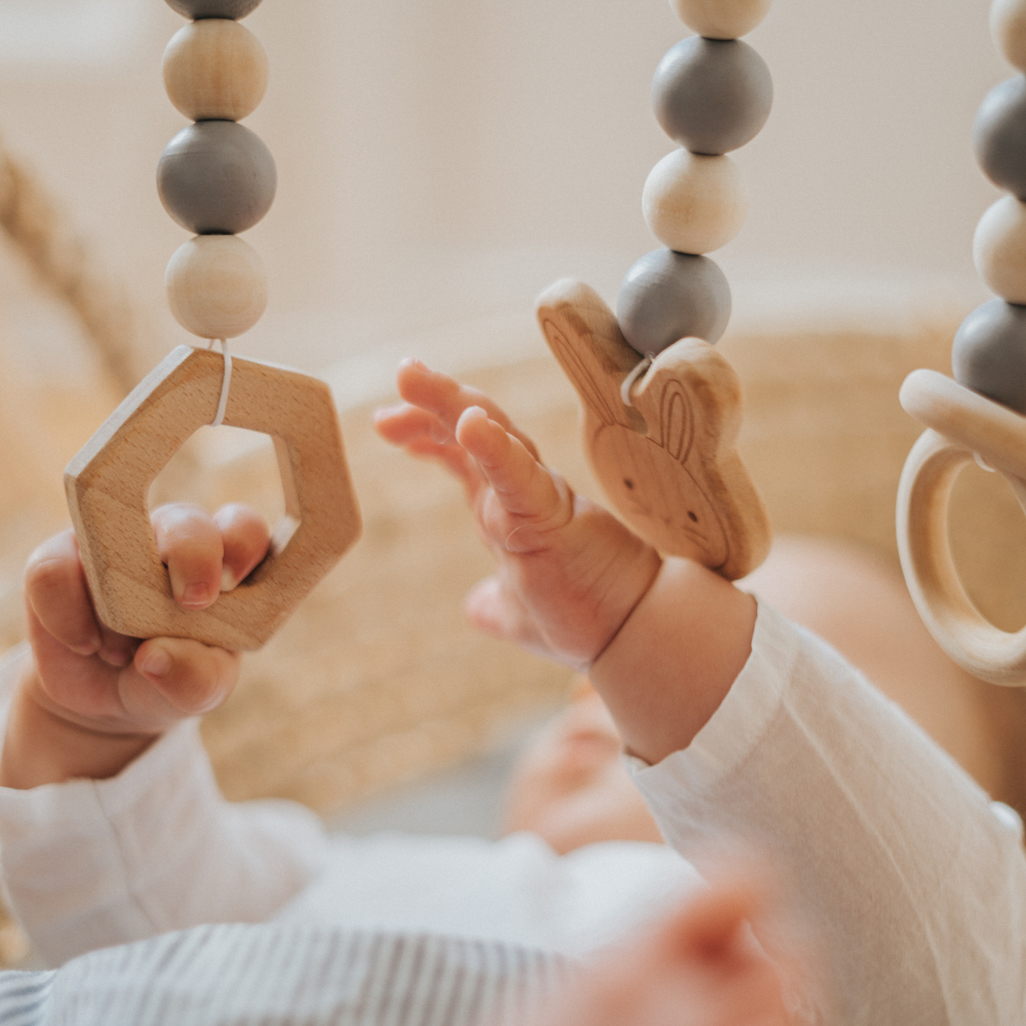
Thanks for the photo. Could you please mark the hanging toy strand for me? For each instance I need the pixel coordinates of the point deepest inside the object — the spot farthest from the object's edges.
(661, 433)
(711, 94)
(216, 178)
(981, 414)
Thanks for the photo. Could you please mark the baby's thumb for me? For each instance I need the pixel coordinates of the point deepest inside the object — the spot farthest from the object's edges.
(193, 678)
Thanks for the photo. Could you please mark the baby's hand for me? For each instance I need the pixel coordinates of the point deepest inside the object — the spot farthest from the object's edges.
(569, 573)
(699, 965)
(91, 699)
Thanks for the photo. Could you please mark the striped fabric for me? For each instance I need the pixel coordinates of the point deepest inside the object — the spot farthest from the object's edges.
(297, 975)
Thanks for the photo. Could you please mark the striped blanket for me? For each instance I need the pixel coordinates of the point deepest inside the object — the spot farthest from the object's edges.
(290, 974)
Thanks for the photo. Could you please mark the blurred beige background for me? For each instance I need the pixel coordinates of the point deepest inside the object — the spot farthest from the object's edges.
(444, 160)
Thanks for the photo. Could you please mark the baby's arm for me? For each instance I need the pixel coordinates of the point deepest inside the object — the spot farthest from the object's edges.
(110, 832)
(662, 640)
(916, 887)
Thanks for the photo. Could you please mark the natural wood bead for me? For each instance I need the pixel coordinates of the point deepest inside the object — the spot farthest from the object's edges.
(216, 286)
(1008, 28)
(999, 249)
(721, 19)
(694, 204)
(215, 69)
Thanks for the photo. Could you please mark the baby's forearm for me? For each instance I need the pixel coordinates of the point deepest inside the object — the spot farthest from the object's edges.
(44, 747)
(675, 658)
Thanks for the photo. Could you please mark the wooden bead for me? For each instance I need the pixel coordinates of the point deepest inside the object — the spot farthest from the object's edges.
(1008, 29)
(694, 204)
(197, 9)
(989, 353)
(216, 177)
(999, 249)
(668, 296)
(215, 68)
(712, 95)
(999, 136)
(721, 19)
(216, 286)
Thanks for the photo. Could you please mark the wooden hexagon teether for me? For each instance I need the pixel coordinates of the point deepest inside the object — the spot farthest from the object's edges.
(669, 462)
(108, 482)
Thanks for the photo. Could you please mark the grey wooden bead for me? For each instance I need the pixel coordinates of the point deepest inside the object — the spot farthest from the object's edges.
(999, 136)
(668, 296)
(989, 353)
(216, 178)
(197, 9)
(712, 95)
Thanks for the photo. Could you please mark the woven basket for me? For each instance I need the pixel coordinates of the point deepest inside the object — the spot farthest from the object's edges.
(377, 678)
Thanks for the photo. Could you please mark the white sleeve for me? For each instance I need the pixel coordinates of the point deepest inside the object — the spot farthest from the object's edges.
(93, 863)
(913, 882)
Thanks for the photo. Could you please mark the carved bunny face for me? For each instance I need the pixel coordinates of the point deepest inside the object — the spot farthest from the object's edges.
(647, 480)
(668, 462)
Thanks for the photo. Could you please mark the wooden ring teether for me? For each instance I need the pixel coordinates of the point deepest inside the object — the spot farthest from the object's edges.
(963, 426)
(981, 413)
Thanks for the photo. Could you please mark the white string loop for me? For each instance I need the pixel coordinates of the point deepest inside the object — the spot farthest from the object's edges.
(226, 381)
(636, 372)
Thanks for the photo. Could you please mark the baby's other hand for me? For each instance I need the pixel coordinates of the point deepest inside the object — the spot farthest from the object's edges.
(92, 699)
(569, 574)
(700, 965)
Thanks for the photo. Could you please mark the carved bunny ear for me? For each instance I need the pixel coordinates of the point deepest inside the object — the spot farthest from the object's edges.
(674, 426)
(586, 340)
(669, 462)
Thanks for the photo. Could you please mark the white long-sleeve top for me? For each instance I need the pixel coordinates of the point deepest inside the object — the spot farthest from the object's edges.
(88, 864)
(915, 884)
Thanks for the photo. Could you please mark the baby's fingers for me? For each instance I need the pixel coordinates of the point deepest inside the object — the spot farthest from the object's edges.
(445, 397)
(422, 434)
(190, 543)
(245, 538)
(189, 678)
(56, 591)
(528, 494)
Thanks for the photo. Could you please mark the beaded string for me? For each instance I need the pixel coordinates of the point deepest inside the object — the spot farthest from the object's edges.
(216, 178)
(712, 94)
(226, 381)
(636, 372)
(988, 354)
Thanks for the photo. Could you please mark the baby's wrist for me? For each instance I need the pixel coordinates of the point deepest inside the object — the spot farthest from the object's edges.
(675, 658)
(42, 745)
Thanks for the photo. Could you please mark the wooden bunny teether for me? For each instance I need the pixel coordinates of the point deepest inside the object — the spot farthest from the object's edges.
(668, 462)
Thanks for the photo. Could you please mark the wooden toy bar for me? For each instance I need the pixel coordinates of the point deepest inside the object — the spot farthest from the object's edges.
(981, 414)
